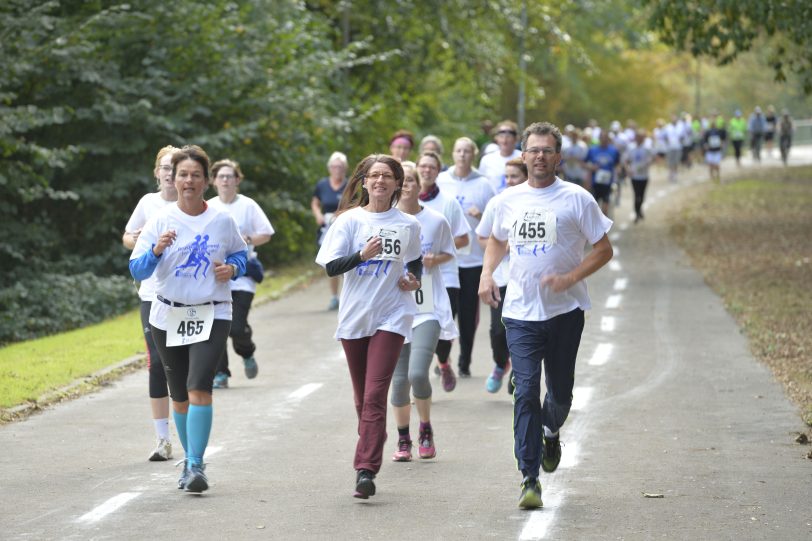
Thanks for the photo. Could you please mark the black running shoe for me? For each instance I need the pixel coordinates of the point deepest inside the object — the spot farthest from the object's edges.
(531, 494)
(196, 480)
(552, 454)
(364, 484)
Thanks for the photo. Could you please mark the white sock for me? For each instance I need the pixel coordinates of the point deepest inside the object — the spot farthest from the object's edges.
(549, 433)
(161, 428)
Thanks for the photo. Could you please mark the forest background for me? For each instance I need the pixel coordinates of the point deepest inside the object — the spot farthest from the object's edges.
(90, 90)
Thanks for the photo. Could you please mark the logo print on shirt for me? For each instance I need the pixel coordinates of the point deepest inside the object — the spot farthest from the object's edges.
(198, 252)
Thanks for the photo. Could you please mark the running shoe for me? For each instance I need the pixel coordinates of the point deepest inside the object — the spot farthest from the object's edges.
(465, 372)
(220, 380)
(251, 367)
(183, 474)
(404, 452)
(448, 378)
(494, 381)
(162, 452)
(333, 304)
(364, 484)
(531, 494)
(426, 444)
(196, 480)
(551, 454)
(437, 369)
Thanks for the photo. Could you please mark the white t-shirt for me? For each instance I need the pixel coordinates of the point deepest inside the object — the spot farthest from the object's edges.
(638, 159)
(451, 209)
(251, 221)
(472, 191)
(547, 229)
(435, 237)
(500, 274)
(371, 299)
(146, 207)
(185, 272)
(493, 167)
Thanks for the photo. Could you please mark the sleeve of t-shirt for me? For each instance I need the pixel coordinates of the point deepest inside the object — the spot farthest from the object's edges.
(138, 218)
(445, 243)
(337, 241)
(260, 224)
(459, 225)
(317, 191)
(413, 251)
(147, 239)
(590, 156)
(498, 230)
(483, 229)
(593, 223)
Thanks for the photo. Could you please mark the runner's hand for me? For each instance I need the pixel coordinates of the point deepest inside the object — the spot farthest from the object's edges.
(223, 272)
(409, 282)
(373, 247)
(489, 292)
(557, 282)
(166, 240)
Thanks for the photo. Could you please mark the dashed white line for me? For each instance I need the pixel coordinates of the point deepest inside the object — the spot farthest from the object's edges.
(607, 323)
(540, 520)
(601, 354)
(304, 390)
(621, 283)
(613, 301)
(624, 227)
(614, 237)
(615, 266)
(108, 507)
(581, 397)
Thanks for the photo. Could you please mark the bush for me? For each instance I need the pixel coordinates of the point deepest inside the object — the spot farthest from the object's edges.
(52, 303)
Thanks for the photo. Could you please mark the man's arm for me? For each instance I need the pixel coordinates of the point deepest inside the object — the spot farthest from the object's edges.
(494, 253)
(600, 255)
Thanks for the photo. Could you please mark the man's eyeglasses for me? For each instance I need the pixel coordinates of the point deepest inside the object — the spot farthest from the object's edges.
(384, 176)
(547, 151)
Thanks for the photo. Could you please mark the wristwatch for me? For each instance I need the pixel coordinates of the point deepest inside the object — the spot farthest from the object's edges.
(234, 268)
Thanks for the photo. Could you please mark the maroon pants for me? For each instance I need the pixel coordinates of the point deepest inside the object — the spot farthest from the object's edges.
(372, 362)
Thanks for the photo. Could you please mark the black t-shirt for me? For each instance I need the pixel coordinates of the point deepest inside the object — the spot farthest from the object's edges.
(714, 139)
(328, 197)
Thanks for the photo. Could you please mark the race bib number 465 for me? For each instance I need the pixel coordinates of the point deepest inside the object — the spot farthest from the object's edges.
(189, 324)
(533, 226)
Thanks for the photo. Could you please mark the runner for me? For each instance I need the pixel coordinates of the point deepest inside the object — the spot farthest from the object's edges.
(150, 204)
(473, 192)
(515, 173)
(785, 130)
(603, 160)
(401, 144)
(373, 244)
(433, 320)
(638, 159)
(492, 165)
(770, 125)
(256, 230)
(323, 205)
(673, 138)
(573, 157)
(193, 250)
(737, 129)
(714, 143)
(431, 197)
(756, 125)
(547, 223)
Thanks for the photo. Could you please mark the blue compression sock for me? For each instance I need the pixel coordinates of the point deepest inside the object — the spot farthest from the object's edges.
(198, 425)
(180, 426)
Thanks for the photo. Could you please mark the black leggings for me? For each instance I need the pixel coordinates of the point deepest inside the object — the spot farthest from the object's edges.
(157, 376)
(443, 348)
(192, 367)
(468, 316)
(498, 334)
(241, 332)
(639, 186)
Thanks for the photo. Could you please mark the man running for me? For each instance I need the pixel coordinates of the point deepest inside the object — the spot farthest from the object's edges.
(547, 223)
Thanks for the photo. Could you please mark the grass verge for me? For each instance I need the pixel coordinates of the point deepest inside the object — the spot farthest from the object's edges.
(751, 240)
(32, 372)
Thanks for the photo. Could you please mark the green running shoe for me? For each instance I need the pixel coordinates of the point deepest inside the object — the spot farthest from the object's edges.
(531, 494)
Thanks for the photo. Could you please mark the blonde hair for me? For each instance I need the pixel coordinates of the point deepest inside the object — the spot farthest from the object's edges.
(168, 149)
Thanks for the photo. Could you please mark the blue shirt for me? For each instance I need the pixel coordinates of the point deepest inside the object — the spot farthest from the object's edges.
(606, 158)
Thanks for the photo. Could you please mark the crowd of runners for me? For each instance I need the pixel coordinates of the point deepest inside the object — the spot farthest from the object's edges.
(413, 250)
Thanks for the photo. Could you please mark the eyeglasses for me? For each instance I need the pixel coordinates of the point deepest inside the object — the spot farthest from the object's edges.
(165, 168)
(547, 151)
(225, 177)
(384, 176)
(506, 132)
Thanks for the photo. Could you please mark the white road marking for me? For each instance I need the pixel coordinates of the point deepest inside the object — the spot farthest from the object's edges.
(607, 323)
(601, 354)
(569, 455)
(621, 283)
(304, 390)
(213, 449)
(541, 519)
(613, 301)
(614, 237)
(661, 193)
(624, 227)
(581, 397)
(108, 507)
(615, 266)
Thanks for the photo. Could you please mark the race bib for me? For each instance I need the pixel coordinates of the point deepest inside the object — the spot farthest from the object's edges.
(602, 176)
(533, 226)
(189, 324)
(714, 141)
(394, 240)
(424, 297)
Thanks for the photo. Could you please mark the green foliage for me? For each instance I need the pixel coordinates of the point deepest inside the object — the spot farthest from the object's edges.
(724, 29)
(52, 303)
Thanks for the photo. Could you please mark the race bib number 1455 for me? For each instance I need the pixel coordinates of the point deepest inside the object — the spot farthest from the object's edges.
(533, 226)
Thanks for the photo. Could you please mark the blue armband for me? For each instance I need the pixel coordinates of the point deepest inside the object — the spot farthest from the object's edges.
(142, 267)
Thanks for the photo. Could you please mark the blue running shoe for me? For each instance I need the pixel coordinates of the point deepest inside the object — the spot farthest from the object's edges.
(220, 380)
(183, 474)
(494, 381)
(251, 367)
(196, 480)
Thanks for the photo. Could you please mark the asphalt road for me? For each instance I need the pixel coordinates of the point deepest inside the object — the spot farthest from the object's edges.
(668, 402)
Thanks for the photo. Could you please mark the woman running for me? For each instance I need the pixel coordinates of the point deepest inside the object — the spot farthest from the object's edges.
(256, 230)
(377, 248)
(193, 250)
(146, 207)
(432, 321)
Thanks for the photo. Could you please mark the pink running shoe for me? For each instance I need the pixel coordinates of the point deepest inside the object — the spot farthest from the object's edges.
(448, 377)
(404, 452)
(426, 444)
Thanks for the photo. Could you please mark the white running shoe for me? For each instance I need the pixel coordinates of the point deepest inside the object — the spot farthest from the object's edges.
(163, 451)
